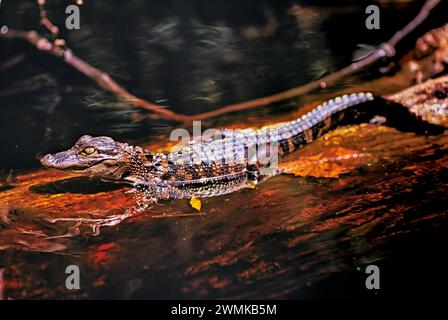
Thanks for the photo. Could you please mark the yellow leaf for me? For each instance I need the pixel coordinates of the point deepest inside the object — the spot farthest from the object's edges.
(195, 203)
(250, 186)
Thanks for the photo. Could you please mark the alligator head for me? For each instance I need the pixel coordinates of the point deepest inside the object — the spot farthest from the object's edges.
(102, 157)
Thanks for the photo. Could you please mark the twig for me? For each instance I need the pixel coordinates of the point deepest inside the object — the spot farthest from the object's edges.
(178, 215)
(54, 30)
(107, 83)
(100, 77)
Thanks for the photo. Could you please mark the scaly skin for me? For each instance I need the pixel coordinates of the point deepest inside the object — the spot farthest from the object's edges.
(230, 161)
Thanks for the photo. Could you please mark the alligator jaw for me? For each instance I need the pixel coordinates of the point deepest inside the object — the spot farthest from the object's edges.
(51, 162)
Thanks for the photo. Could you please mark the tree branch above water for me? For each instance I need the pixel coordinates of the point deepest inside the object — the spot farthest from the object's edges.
(103, 80)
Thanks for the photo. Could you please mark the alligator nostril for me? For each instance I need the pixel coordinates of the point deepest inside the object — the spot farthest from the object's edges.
(46, 160)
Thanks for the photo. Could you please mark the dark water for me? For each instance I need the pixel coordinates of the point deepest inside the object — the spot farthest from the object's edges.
(191, 56)
(195, 56)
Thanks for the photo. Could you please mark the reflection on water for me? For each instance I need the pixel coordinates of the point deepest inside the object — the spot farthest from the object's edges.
(290, 237)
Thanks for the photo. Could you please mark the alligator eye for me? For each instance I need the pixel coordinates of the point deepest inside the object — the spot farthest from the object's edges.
(89, 150)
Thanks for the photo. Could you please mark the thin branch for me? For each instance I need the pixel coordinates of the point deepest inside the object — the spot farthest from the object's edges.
(100, 77)
(178, 215)
(385, 49)
(108, 84)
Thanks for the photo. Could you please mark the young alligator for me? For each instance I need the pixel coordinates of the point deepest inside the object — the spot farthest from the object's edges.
(230, 161)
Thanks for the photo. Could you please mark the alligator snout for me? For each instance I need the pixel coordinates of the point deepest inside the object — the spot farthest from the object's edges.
(47, 161)
(54, 161)
(65, 160)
